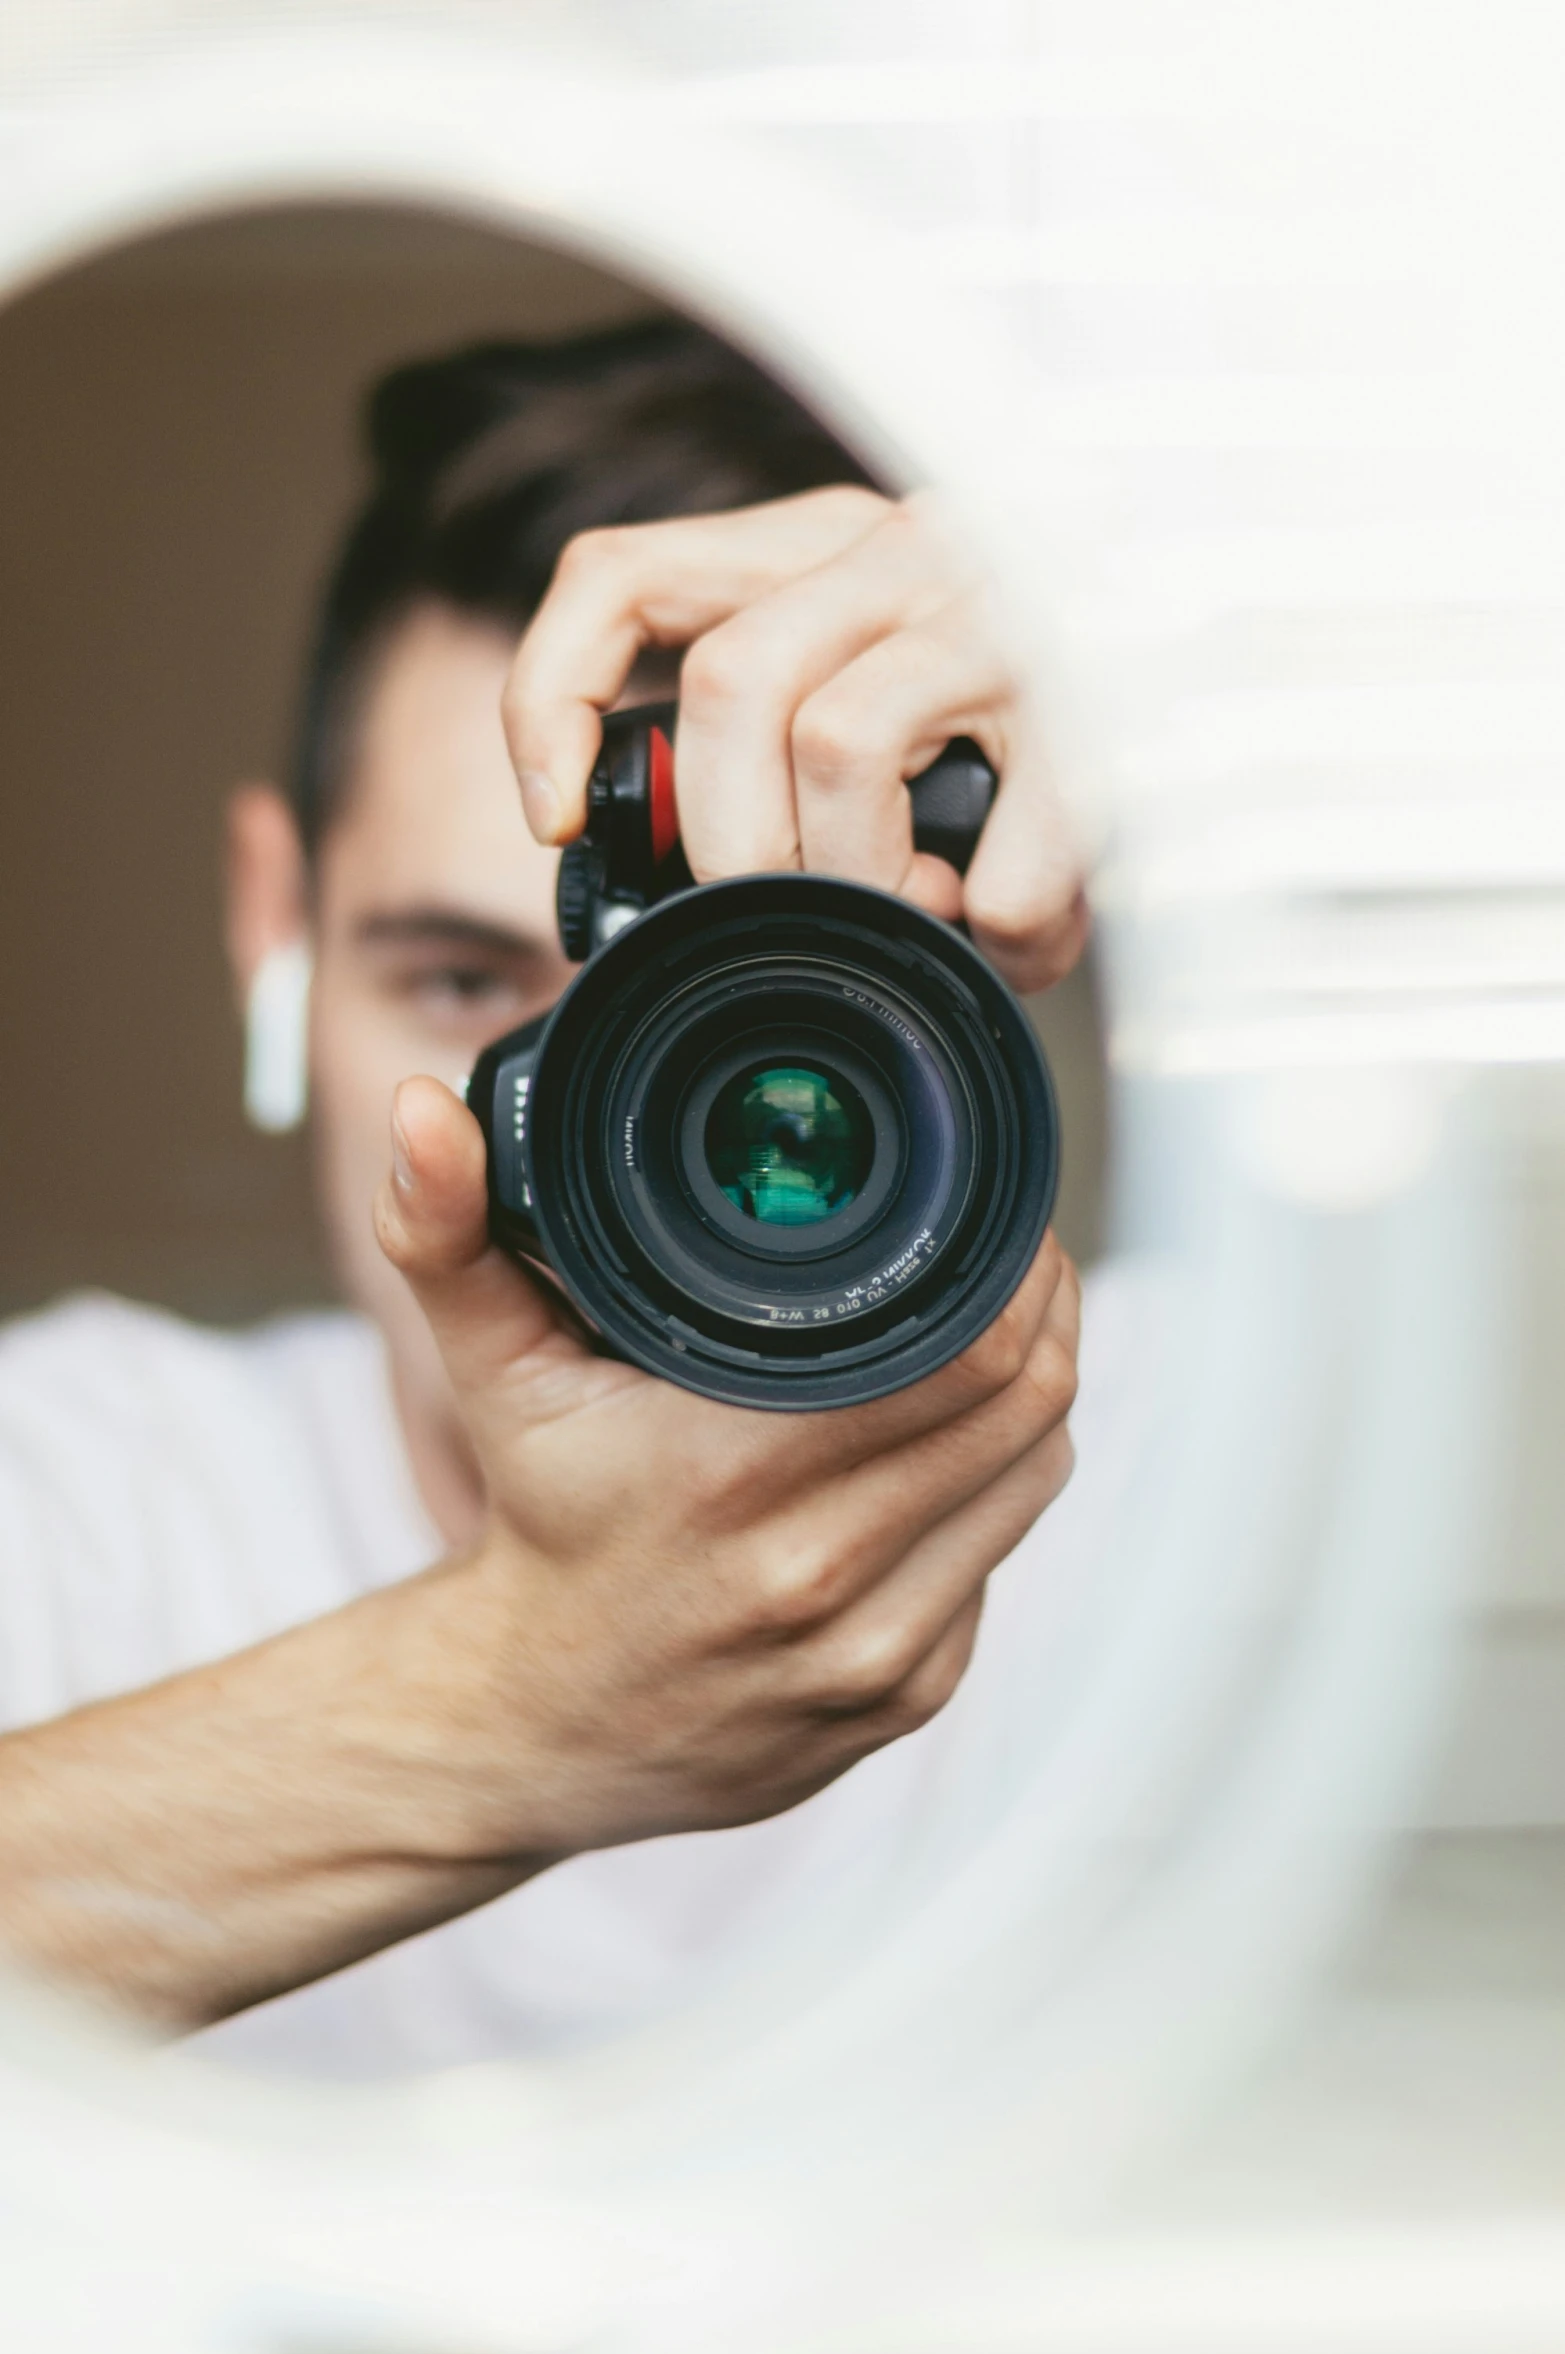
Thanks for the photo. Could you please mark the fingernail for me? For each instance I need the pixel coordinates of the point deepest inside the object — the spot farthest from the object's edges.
(541, 802)
(401, 1158)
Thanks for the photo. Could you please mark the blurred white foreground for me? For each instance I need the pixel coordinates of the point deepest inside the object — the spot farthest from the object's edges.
(1238, 2020)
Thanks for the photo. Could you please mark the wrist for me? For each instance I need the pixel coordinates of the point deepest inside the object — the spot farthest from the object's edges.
(465, 1756)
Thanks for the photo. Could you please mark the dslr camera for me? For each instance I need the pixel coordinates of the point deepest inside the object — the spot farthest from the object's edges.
(786, 1141)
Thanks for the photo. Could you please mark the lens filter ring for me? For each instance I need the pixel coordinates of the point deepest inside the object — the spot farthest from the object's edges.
(937, 1157)
(766, 1012)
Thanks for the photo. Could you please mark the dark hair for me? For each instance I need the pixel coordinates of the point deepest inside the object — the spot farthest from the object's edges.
(487, 461)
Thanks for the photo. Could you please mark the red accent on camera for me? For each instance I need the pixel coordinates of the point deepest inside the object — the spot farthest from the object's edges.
(664, 814)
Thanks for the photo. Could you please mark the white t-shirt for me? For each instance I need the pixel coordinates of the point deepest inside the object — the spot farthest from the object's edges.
(170, 1494)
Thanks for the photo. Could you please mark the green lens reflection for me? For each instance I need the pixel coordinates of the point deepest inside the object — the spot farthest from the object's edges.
(789, 1146)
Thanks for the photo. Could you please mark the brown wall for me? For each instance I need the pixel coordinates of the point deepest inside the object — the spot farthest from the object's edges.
(176, 454)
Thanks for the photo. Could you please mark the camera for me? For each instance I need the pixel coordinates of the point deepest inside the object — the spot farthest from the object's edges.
(786, 1141)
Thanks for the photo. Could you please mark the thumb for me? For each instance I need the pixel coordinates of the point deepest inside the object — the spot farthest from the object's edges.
(431, 1220)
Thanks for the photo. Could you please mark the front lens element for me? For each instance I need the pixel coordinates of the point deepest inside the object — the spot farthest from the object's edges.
(789, 1146)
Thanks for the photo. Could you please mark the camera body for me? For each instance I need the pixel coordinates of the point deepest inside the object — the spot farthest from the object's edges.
(786, 1141)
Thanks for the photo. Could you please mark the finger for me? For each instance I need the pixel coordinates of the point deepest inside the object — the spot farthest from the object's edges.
(866, 1659)
(934, 886)
(788, 1456)
(845, 1735)
(935, 1681)
(884, 1508)
(985, 1368)
(744, 682)
(738, 1465)
(431, 1219)
(619, 591)
(1051, 952)
(881, 720)
(920, 1486)
(1024, 898)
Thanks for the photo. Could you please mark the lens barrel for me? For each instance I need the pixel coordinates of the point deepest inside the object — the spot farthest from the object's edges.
(785, 1141)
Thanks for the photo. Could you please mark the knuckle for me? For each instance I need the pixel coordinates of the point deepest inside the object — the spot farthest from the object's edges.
(931, 1689)
(999, 1356)
(866, 1666)
(1061, 1451)
(833, 745)
(1012, 921)
(718, 1483)
(1051, 1373)
(795, 1586)
(906, 1712)
(1071, 1276)
(715, 673)
(853, 501)
(589, 555)
(1029, 931)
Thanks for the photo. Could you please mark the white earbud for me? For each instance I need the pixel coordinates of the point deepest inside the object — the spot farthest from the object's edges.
(277, 1070)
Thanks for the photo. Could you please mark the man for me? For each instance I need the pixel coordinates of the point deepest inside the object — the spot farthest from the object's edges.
(317, 1639)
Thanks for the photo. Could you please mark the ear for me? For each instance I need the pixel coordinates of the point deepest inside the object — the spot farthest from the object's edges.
(267, 900)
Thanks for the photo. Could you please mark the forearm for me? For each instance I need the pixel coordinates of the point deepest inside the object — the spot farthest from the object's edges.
(188, 1850)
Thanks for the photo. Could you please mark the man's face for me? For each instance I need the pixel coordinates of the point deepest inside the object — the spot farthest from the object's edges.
(434, 932)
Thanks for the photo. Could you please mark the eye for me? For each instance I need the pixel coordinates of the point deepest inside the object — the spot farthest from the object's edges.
(466, 984)
(470, 998)
(460, 989)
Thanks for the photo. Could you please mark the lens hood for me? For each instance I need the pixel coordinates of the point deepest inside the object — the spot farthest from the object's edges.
(786, 1141)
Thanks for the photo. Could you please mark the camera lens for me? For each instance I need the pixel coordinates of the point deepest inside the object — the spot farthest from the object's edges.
(786, 1141)
(789, 1147)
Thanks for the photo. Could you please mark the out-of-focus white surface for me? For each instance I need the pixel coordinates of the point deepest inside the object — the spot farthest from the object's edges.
(1236, 330)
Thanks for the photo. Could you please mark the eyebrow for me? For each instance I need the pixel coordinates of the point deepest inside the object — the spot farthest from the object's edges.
(444, 927)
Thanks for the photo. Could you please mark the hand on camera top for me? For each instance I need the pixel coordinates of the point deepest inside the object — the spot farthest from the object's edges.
(836, 642)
